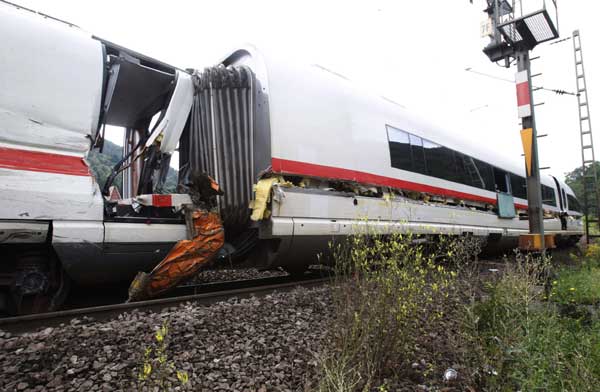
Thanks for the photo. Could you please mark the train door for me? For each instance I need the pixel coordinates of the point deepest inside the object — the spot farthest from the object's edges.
(562, 203)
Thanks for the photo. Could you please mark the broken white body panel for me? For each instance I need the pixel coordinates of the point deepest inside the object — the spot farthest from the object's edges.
(300, 212)
(27, 194)
(51, 76)
(171, 125)
(308, 221)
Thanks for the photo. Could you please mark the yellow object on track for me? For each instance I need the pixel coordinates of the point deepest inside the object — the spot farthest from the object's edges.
(185, 258)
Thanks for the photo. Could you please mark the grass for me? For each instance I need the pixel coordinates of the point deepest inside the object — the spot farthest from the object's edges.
(532, 344)
(404, 313)
(581, 285)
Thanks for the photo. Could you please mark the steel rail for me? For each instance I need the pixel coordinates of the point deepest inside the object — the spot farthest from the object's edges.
(221, 291)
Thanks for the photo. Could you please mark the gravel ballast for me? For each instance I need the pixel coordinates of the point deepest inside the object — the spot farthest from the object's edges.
(265, 343)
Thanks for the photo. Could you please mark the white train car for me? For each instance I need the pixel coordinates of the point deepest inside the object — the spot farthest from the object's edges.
(346, 155)
(313, 123)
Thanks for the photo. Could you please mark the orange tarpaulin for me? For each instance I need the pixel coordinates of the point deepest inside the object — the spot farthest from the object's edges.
(184, 260)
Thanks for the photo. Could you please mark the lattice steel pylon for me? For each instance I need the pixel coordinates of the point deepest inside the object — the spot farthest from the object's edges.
(591, 196)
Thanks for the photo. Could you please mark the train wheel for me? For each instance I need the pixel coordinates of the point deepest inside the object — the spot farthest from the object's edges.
(40, 284)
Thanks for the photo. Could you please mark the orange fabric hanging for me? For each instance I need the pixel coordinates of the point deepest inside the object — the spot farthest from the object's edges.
(184, 260)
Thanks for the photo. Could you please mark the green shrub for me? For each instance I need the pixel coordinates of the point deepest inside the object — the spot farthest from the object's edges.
(395, 305)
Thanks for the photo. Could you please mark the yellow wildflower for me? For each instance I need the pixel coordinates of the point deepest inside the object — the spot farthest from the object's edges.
(146, 371)
(182, 376)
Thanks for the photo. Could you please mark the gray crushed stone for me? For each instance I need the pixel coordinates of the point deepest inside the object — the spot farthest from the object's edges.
(255, 344)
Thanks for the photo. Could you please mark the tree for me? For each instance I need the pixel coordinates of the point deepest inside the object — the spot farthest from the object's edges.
(574, 179)
(101, 166)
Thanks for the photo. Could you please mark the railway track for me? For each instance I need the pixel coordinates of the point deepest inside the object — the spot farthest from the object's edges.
(201, 293)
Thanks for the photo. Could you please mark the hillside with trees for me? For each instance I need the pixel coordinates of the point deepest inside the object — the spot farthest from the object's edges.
(574, 179)
(102, 165)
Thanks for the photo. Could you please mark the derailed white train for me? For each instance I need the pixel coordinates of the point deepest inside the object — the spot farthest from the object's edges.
(346, 155)
(427, 179)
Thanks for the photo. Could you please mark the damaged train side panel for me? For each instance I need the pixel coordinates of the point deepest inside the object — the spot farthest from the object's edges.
(59, 90)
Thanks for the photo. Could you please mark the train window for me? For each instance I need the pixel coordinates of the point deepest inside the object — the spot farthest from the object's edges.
(500, 180)
(486, 174)
(418, 155)
(548, 195)
(564, 198)
(461, 173)
(470, 175)
(399, 149)
(440, 161)
(413, 153)
(519, 186)
(573, 203)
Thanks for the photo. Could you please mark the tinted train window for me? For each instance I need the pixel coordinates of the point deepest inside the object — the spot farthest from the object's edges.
(470, 172)
(440, 161)
(573, 203)
(399, 149)
(519, 186)
(413, 153)
(548, 195)
(418, 154)
(486, 173)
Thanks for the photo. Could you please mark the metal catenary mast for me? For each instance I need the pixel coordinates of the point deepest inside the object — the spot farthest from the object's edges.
(591, 197)
(515, 28)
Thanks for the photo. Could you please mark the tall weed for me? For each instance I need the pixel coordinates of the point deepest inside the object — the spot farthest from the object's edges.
(395, 299)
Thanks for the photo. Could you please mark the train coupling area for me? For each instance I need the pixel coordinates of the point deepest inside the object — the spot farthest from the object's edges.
(206, 237)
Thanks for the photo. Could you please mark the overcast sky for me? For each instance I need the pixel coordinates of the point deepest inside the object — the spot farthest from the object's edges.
(414, 52)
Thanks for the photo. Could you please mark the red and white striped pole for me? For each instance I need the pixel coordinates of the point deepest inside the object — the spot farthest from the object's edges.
(525, 105)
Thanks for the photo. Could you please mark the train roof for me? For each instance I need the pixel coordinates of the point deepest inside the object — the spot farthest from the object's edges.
(268, 65)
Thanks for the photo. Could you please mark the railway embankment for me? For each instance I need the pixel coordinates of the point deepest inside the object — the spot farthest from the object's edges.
(259, 343)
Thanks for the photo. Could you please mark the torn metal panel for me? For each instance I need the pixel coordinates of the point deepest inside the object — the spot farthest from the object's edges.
(134, 92)
(171, 125)
(17, 129)
(50, 73)
(268, 193)
(47, 196)
(262, 198)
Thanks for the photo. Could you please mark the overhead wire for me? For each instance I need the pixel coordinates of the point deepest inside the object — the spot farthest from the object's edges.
(556, 91)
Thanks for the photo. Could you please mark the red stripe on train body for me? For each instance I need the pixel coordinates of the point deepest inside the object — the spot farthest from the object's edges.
(314, 170)
(37, 161)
